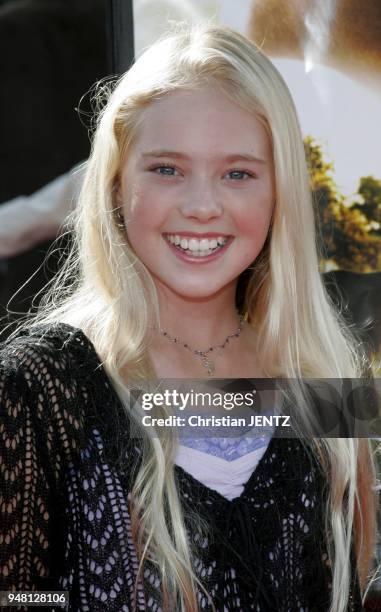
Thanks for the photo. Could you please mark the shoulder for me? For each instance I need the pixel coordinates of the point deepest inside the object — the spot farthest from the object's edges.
(49, 375)
(54, 392)
(42, 349)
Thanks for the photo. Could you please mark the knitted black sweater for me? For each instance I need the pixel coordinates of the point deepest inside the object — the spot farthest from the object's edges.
(67, 467)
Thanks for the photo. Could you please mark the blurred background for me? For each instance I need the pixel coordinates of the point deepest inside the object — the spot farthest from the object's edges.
(329, 53)
(51, 53)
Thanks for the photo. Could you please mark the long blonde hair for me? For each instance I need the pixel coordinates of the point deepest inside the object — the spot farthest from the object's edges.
(106, 290)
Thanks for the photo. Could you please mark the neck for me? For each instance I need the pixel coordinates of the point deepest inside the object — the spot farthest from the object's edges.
(199, 322)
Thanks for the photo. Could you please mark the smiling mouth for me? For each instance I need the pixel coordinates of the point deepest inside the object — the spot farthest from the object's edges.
(196, 247)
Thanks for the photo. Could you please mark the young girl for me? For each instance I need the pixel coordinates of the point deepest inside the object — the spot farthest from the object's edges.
(194, 258)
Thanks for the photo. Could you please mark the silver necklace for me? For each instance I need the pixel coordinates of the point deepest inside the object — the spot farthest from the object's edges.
(206, 361)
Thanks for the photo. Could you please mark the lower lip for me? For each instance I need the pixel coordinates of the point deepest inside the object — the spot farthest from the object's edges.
(199, 260)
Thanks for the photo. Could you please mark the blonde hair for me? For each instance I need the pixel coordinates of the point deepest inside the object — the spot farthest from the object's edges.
(107, 291)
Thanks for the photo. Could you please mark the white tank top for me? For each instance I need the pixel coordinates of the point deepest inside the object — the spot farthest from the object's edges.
(222, 464)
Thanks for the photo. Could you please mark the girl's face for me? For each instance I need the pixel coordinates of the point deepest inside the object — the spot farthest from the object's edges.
(197, 192)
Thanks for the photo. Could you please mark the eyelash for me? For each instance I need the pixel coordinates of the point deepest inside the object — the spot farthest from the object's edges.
(169, 166)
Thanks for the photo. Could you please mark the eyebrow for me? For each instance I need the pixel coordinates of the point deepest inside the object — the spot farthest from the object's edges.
(232, 157)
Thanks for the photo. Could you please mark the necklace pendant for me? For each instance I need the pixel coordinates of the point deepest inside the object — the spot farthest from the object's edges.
(208, 365)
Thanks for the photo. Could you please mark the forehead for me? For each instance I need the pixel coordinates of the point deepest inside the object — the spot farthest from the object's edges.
(201, 121)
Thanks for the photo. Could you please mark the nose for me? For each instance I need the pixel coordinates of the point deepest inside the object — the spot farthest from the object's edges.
(201, 201)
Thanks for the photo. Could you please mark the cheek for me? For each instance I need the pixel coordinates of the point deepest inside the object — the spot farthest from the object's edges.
(145, 206)
(138, 207)
(254, 211)
(255, 222)
(253, 229)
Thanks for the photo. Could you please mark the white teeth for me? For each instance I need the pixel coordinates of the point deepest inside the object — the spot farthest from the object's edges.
(193, 245)
(204, 244)
(196, 247)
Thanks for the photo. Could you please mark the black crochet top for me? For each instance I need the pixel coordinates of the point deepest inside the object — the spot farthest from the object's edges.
(67, 467)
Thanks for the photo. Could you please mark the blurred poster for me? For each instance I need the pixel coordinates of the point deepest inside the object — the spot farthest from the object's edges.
(329, 53)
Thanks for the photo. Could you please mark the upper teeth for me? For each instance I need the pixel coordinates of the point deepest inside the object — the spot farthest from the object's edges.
(193, 244)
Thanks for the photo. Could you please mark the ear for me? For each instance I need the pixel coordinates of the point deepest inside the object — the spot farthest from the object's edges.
(117, 191)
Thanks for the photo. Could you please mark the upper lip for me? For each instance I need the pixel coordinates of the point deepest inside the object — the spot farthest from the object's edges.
(199, 234)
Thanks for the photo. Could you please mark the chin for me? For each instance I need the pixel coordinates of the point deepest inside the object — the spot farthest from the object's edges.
(196, 292)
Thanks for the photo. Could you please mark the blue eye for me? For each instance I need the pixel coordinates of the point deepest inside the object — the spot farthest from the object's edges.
(234, 175)
(239, 175)
(165, 170)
